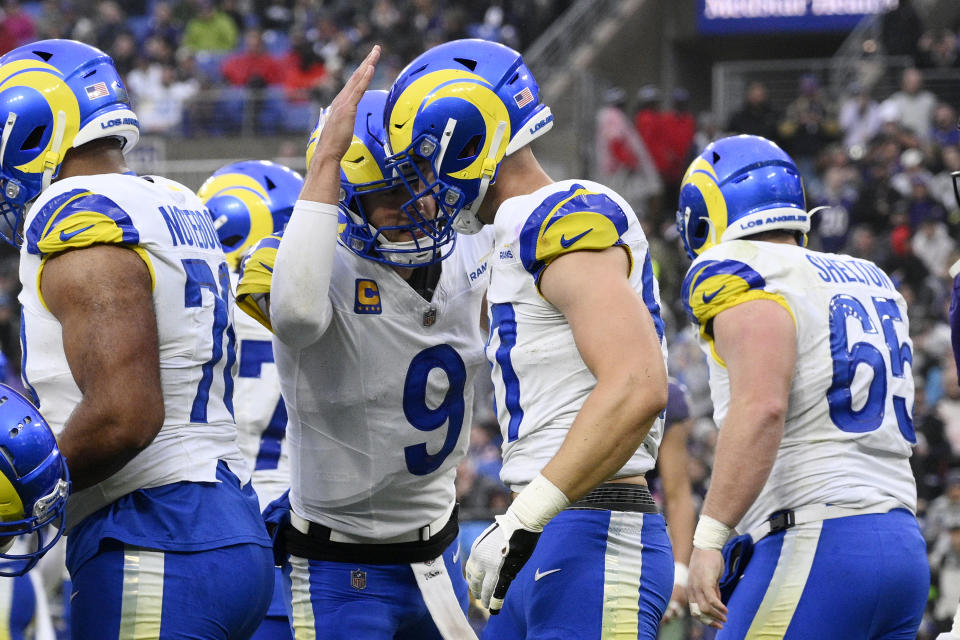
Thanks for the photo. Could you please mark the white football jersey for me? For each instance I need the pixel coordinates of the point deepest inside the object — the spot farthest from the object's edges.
(540, 380)
(259, 409)
(848, 432)
(380, 406)
(170, 229)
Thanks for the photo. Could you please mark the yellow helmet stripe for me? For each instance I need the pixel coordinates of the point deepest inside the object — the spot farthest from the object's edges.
(450, 83)
(11, 506)
(359, 165)
(216, 184)
(48, 81)
(701, 175)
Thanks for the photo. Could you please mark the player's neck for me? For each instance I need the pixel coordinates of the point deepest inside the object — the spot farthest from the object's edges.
(93, 158)
(779, 236)
(520, 174)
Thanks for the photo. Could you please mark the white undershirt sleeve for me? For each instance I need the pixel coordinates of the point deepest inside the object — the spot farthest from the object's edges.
(300, 308)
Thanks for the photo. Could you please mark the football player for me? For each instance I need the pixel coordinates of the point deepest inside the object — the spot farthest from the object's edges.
(377, 341)
(810, 374)
(128, 349)
(576, 348)
(248, 201)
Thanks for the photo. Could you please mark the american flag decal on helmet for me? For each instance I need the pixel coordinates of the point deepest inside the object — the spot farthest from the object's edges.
(524, 98)
(98, 90)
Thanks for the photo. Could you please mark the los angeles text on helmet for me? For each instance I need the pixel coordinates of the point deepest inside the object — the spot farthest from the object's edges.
(787, 8)
(541, 124)
(749, 224)
(116, 122)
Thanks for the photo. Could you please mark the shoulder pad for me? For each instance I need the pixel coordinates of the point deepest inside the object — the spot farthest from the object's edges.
(79, 218)
(256, 275)
(712, 286)
(574, 220)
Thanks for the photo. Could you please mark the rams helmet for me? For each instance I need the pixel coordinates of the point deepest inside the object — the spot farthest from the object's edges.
(34, 483)
(462, 107)
(248, 201)
(364, 171)
(54, 95)
(739, 186)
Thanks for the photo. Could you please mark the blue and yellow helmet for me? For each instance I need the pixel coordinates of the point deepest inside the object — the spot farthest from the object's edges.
(463, 106)
(363, 171)
(34, 483)
(54, 95)
(248, 201)
(736, 187)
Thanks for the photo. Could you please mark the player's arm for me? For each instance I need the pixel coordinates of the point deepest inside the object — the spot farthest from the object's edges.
(672, 460)
(757, 341)
(616, 338)
(299, 304)
(102, 297)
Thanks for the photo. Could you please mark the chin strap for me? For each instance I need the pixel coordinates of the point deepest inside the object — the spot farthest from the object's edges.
(471, 223)
(7, 130)
(51, 160)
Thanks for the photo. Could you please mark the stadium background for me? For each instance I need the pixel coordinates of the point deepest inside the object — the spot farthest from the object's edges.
(215, 81)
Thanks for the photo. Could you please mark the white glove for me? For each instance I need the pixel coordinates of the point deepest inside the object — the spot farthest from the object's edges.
(499, 553)
(948, 636)
(496, 557)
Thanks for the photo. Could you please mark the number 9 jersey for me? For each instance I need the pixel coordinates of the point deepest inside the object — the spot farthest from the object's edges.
(169, 228)
(848, 432)
(380, 406)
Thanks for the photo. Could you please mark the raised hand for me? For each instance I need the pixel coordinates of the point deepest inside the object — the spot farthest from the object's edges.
(322, 182)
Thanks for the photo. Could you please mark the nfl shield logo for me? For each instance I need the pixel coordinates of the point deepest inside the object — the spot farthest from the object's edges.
(429, 316)
(358, 579)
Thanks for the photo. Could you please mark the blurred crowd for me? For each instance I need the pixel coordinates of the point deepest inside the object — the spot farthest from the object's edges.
(877, 166)
(259, 66)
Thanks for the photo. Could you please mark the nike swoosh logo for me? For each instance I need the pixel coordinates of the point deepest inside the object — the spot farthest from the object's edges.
(267, 267)
(537, 575)
(74, 595)
(456, 556)
(64, 236)
(566, 243)
(708, 298)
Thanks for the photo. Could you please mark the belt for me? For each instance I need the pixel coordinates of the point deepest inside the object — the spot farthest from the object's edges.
(314, 541)
(783, 520)
(618, 496)
(422, 534)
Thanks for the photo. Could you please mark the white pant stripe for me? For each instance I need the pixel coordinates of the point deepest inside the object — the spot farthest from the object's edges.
(621, 576)
(441, 600)
(141, 607)
(304, 622)
(6, 599)
(786, 586)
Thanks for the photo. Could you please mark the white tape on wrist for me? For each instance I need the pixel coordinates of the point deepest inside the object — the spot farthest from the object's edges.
(536, 505)
(711, 534)
(680, 574)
